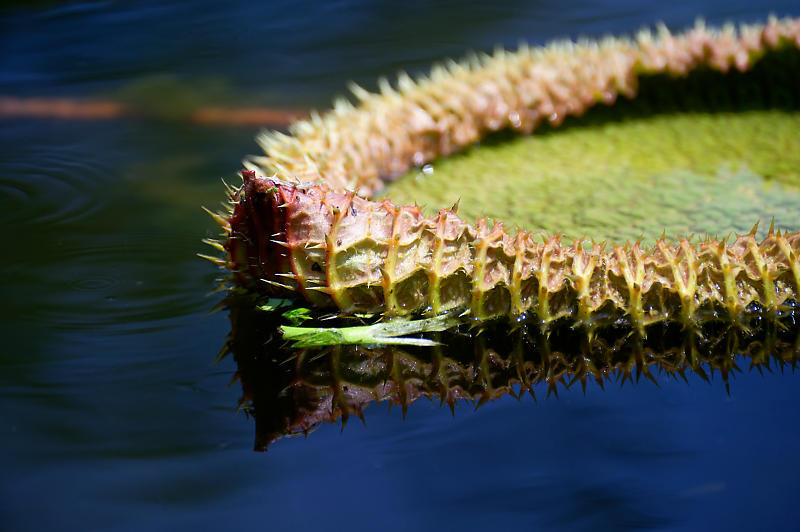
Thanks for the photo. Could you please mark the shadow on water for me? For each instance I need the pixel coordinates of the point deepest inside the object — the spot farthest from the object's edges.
(291, 391)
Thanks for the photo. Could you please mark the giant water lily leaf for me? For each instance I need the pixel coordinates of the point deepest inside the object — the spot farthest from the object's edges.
(679, 173)
(699, 138)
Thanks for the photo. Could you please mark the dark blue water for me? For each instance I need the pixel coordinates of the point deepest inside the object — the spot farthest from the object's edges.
(111, 413)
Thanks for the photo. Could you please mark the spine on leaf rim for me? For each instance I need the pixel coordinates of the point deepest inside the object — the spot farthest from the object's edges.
(355, 147)
(336, 249)
(339, 250)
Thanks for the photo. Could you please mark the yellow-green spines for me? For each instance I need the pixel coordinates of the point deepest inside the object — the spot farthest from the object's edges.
(389, 132)
(324, 240)
(292, 389)
(379, 258)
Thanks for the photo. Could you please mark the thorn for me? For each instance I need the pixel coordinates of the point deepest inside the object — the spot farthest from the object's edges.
(385, 87)
(530, 391)
(284, 244)
(221, 220)
(279, 285)
(229, 189)
(216, 244)
(358, 91)
(323, 289)
(216, 260)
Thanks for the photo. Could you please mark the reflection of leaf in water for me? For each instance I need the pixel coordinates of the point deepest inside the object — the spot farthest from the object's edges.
(290, 391)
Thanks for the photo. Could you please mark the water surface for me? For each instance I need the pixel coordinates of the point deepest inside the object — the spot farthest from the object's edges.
(112, 415)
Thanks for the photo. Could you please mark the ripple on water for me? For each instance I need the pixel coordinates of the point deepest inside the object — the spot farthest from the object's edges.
(56, 185)
(95, 284)
(117, 284)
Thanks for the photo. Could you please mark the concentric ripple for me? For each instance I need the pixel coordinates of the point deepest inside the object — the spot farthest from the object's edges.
(116, 284)
(53, 185)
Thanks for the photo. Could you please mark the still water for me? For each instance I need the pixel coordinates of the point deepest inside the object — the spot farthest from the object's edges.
(112, 414)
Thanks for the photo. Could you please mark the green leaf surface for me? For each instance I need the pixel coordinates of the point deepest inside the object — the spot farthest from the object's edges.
(392, 332)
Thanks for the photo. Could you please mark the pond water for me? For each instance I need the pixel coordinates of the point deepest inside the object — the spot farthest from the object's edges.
(112, 413)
